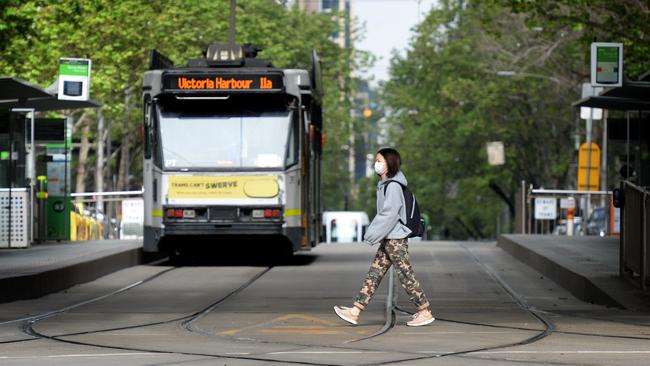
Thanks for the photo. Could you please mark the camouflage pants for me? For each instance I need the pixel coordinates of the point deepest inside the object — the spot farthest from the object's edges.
(392, 252)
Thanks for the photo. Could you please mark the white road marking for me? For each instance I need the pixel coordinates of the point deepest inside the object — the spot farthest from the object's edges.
(450, 332)
(577, 352)
(86, 355)
(554, 352)
(321, 352)
(78, 355)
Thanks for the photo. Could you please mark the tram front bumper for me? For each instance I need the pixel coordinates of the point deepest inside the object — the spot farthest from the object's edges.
(217, 228)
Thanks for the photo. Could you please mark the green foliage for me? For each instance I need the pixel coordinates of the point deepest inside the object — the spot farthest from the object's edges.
(447, 102)
(623, 21)
(117, 36)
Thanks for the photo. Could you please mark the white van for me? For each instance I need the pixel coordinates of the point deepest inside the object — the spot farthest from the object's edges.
(344, 226)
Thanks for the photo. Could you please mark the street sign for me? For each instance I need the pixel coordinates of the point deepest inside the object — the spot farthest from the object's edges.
(545, 208)
(594, 167)
(606, 64)
(496, 153)
(585, 112)
(567, 203)
(74, 79)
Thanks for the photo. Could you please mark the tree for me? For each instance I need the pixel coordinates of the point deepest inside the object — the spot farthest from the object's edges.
(446, 100)
(117, 36)
(623, 21)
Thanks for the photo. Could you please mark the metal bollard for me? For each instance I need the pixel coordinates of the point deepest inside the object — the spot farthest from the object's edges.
(41, 196)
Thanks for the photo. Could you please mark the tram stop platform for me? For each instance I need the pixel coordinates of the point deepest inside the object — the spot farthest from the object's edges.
(586, 266)
(47, 268)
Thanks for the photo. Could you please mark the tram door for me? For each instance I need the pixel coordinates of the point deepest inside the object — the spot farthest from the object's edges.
(314, 192)
(305, 183)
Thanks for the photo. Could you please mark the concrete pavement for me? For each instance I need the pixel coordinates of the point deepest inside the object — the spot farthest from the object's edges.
(587, 266)
(47, 268)
(485, 301)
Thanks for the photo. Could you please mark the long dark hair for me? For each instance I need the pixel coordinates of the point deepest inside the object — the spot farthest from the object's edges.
(393, 160)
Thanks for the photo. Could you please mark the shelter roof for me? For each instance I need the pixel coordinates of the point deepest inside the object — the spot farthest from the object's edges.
(16, 93)
(16, 89)
(632, 96)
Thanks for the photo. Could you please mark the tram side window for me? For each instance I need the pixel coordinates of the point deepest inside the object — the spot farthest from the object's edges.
(293, 145)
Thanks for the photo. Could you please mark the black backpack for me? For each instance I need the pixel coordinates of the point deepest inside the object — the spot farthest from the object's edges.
(414, 221)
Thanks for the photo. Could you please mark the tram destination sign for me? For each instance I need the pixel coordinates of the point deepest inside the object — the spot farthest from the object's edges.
(206, 82)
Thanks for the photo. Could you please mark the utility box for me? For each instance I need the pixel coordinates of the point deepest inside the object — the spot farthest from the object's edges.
(15, 225)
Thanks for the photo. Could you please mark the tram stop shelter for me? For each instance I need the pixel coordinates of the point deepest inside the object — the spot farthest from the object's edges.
(33, 151)
(632, 101)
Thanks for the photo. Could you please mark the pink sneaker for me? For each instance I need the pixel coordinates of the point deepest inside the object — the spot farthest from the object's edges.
(421, 318)
(347, 314)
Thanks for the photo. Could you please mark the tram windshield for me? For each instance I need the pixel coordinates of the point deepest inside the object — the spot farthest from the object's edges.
(218, 140)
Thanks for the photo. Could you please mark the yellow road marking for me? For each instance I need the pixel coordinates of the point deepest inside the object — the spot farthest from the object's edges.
(271, 324)
(301, 331)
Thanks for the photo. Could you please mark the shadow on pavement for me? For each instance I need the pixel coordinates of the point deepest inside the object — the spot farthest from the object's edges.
(235, 251)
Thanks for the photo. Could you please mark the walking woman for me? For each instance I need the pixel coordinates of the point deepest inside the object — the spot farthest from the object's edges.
(388, 230)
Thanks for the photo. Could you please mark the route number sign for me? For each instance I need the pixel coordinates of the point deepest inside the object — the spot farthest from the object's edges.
(606, 64)
(545, 208)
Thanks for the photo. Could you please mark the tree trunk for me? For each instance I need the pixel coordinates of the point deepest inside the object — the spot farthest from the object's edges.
(99, 169)
(80, 186)
(123, 177)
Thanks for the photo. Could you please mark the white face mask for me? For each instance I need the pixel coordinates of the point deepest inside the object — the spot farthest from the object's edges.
(379, 167)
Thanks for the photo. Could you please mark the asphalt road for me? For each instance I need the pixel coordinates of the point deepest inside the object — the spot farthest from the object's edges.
(490, 310)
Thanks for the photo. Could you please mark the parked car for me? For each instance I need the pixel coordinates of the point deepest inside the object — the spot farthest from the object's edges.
(560, 228)
(597, 222)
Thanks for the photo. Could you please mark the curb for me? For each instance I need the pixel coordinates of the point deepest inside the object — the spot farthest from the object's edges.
(57, 279)
(578, 285)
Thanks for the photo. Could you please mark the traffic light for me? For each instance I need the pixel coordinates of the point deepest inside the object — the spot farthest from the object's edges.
(618, 197)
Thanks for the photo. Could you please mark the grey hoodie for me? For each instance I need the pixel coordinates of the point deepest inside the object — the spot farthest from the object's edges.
(390, 209)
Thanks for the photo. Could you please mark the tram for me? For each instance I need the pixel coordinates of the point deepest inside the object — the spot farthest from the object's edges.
(232, 150)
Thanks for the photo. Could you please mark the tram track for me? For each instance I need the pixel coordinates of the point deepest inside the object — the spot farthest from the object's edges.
(49, 314)
(186, 323)
(549, 327)
(391, 322)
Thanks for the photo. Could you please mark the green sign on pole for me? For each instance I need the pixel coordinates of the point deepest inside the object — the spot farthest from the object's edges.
(606, 64)
(74, 79)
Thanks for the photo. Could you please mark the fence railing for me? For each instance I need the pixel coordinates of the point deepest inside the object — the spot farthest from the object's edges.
(566, 212)
(634, 258)
(107, 211)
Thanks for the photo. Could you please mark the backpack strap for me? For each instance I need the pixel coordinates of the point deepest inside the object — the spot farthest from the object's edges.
(389, 182)
(403, 197)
